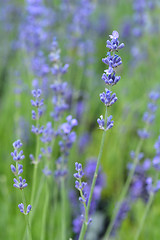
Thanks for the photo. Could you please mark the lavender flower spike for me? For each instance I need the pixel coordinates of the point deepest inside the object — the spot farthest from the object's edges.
(17, 155)
(79, 184)
(107, 98)
(21, 208)
(114, 45)
(101, 123)
(21, 184)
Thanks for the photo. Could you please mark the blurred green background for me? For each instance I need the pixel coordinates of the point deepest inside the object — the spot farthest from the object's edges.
(139, 75)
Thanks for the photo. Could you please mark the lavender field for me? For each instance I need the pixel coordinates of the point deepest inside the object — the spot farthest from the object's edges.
(80, 119)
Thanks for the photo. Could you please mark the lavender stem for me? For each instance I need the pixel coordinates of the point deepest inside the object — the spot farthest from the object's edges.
(63, 209)
(85, 223)
(27, 217)
(45, 212)
(36, 163)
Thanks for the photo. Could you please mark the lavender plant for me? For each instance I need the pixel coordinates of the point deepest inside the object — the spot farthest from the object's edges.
(110, 78)
(19, 182)
(37, 130)
(84, 189)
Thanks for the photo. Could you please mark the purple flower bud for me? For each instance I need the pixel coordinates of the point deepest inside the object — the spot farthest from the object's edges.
(21, 207)
(13, 169)
(29, 207)
(156, 162)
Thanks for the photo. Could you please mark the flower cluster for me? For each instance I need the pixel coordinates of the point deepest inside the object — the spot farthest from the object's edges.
(68, 138)
(109, 77)
(79, 184)
(60, 89)
(21, 208)
(33, 32)
(107, 98)
(37, 103)
(47, 138)
(149, 116)
(102, 125)
(17, 170)
(84, 189)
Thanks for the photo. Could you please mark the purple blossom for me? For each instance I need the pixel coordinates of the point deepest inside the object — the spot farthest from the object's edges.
(17, 155)
(85, 189)
(68, 137)
(47, 171)
(79, 184)
(105, 126)
(157, 146)
(112, 61)
(20, 169)
(21, 208)
(143, 133)
(29, 207)
(48, 133)
(33, 161)
(140, 155)
(37, 130)
(17, 144)
(107, 98)
(114, 45)
(20, 183)
(36, 94)
(60, 173)
(33, 29)
(84, 139)
(110, 79)
(156, 162)
(154, 95)
(148, 118)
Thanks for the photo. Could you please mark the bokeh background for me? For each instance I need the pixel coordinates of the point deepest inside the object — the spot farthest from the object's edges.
(81, 29)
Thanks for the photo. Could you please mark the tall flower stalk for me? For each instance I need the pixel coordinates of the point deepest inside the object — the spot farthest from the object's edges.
(19, 182)
(37, 103)
(110, 79)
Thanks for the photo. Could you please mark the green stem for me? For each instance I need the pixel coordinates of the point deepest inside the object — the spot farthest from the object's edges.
(52, 220)
(149, 203)
(36, 163)
(85, 223)
(45, 212)
(36, 202)
(26, 217)
(63, 209)
(37, 196)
